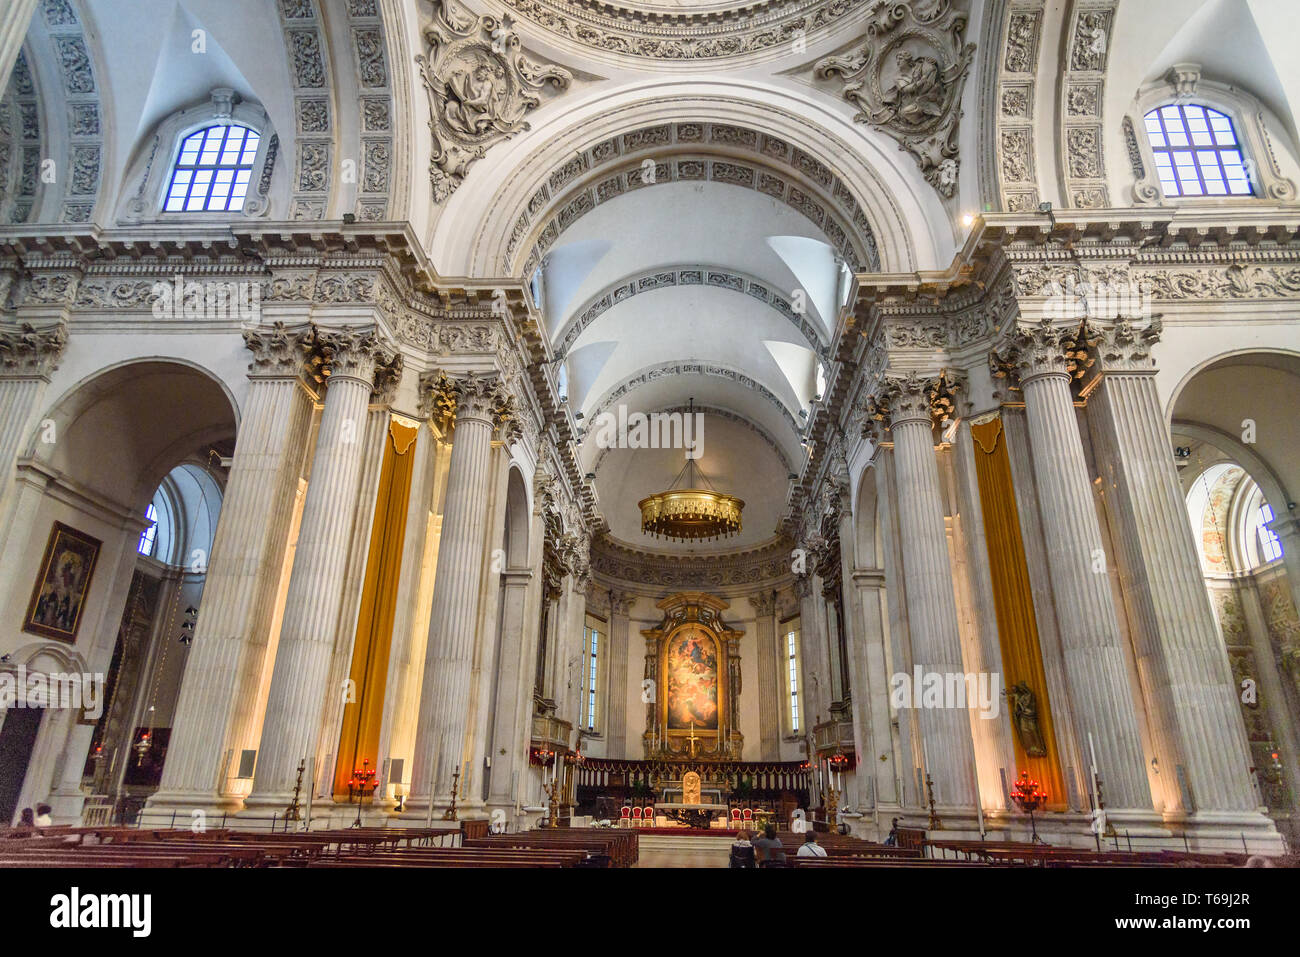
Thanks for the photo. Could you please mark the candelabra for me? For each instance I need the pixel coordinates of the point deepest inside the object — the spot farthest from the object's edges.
(552, 790)
(294, 811)
(362, 780)
(1030, 797)
(450, 813)
(832, 809)
(935, 822)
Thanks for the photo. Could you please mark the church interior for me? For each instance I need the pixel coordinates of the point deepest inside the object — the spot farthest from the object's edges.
(555, 432)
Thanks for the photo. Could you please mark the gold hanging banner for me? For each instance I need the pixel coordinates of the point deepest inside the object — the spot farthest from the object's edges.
(359, 737)
(1022, 660)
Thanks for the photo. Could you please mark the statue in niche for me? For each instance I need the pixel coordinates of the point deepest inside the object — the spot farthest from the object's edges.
(1024, 715)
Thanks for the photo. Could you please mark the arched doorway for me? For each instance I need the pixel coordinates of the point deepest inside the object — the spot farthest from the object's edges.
(145, 435)
(1238, 466)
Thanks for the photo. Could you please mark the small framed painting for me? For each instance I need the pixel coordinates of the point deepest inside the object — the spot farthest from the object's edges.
(61, 587)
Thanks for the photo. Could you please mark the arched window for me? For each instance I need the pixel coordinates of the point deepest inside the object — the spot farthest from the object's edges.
(1197, 152)
(213, 170)
(1230, 519)
(792, 677)
(150, 534)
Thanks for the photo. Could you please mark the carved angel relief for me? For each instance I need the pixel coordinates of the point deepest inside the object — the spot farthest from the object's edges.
(907, 78)
(480, 87)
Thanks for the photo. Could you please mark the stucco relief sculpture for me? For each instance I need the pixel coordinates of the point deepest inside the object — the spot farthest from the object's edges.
(906, 80)
(480, 87)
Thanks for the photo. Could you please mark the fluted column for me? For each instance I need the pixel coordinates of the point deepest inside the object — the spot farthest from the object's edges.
(218, 696)
(15, 18)
(620, 606)
(769, 694)
(1090, 637)
(906, 404)
(294, 711)
(1191, 697)
(480, 404)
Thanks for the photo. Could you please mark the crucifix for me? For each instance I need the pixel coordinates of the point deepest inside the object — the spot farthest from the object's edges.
(692, 737)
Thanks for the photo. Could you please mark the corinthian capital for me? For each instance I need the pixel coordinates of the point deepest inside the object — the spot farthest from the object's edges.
(1039, 350)
(911, 397)
(472, 395)
(764, 603)
(280, 349)
(353, 351)
(28, 351)
(1122, 346)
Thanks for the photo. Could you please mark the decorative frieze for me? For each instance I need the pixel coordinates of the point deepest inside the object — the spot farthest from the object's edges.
(772, 167)
(652, 574)
(744, 29)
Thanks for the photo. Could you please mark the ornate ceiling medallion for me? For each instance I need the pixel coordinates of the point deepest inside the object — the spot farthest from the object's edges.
(480, 88)
(907, 78)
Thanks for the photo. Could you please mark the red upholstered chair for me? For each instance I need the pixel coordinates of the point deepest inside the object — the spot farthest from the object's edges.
(625, 816)
(749, 815)
(735, 818)
(649, 817)
(636, 817)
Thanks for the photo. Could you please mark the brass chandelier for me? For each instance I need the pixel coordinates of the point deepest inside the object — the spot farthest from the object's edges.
(687, 512)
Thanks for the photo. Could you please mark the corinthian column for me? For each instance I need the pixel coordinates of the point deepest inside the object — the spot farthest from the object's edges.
(218, 697)
(1191, 697)
(479, 404)
(1095, 669)
(291, 730)
(907, 405)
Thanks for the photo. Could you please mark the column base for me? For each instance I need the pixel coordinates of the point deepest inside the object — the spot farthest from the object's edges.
(176, 809)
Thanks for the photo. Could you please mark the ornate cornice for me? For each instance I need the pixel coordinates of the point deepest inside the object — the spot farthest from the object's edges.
(632, 30)
(650, 573)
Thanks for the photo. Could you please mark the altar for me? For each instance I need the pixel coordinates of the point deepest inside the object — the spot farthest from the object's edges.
(691, 815)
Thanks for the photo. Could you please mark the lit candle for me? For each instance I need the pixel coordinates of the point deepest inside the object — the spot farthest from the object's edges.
(1092, 748)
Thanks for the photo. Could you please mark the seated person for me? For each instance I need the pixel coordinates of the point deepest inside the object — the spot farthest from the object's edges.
(810, 846)
(742, 852)
(768, 849)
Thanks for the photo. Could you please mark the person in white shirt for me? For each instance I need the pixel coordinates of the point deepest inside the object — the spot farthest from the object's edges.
(810, 846)
(43, 815)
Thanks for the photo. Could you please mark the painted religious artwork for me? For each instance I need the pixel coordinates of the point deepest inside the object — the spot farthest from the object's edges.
(60, 593)
(692, 670)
